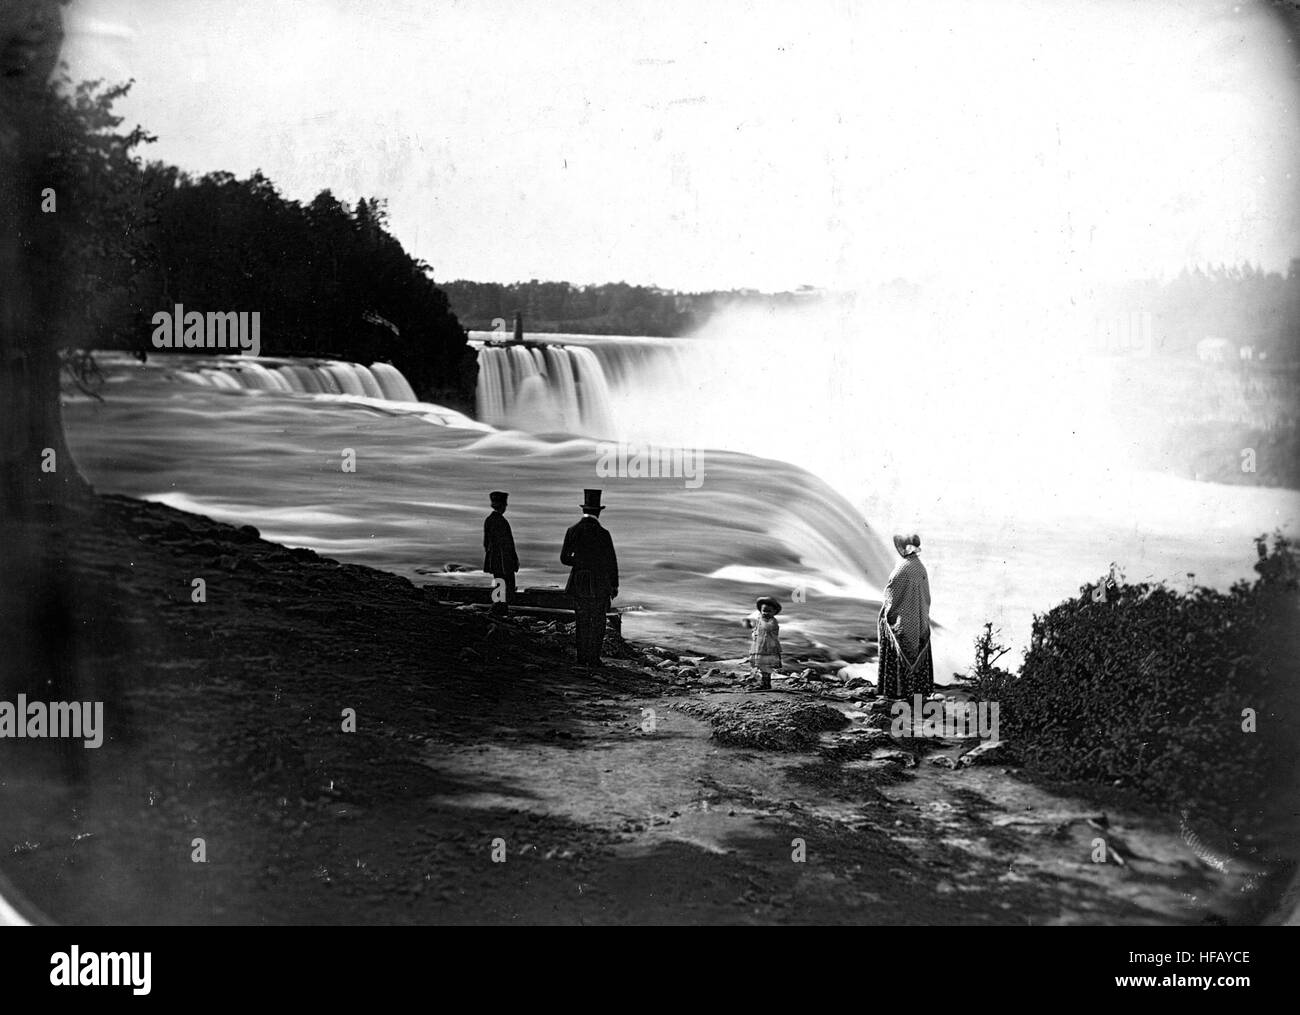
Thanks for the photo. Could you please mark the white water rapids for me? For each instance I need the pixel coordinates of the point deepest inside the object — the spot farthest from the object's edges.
(810, 458)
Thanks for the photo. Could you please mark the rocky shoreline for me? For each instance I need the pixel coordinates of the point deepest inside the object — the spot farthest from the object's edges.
(349, 750)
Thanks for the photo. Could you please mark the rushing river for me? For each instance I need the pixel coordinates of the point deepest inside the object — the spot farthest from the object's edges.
(266, 444)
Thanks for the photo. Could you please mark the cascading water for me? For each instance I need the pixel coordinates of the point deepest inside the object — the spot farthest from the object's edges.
(242, 439)
(992, 436)
(291, 377)
(573, 385)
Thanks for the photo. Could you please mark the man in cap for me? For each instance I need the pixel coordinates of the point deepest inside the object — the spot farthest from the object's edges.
(593, 582)
(499, 557)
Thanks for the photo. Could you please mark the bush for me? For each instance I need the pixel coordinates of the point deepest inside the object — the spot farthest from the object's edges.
(987, 681)
(1148, 686)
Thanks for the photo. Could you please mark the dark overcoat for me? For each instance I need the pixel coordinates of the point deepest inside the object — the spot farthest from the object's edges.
(499, 557)
(589, 550)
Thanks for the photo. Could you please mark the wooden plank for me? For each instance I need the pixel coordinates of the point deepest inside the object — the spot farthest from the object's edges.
(543, 598)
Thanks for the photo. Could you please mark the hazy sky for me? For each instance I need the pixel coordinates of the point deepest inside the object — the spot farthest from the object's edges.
(703, 144)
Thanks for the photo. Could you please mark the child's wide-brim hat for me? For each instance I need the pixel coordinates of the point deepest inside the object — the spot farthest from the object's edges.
(762, 601)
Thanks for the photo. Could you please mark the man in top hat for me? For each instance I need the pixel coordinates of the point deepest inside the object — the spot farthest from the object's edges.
(593, 582)
(499, 557)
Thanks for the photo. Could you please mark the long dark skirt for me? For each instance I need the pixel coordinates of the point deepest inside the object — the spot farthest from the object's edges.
(897, 677)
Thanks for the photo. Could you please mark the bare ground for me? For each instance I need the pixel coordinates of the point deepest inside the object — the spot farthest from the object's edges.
(615, 795)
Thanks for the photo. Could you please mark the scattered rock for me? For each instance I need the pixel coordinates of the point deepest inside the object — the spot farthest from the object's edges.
(943, 761)
(891, 754)
(990, 752)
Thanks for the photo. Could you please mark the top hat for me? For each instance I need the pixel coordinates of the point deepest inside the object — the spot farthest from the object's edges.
(591, 502)
(498, 497)
(902, 541)
(762, 601)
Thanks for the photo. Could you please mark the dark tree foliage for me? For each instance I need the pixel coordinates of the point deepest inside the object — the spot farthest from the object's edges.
(1242, 303)
(615, 308)
(612, 308)
(1187, 697)
(327, 281)
(129, 240)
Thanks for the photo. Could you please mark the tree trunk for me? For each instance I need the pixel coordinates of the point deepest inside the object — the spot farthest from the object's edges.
(38, 478)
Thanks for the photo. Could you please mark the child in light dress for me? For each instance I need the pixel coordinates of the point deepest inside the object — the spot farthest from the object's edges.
(765, 642)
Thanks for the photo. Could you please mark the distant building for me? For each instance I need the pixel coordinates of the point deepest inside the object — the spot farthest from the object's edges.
(1213, 350)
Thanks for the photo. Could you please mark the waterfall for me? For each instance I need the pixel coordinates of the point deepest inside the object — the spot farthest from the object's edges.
(573, 385)
(394, 385)
(295, 377)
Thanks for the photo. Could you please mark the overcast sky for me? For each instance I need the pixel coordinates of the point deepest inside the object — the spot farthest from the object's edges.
(707, 144)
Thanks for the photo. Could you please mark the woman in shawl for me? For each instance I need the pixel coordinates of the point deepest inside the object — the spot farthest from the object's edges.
(906, 663)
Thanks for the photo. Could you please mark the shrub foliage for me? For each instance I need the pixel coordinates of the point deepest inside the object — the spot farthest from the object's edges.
(1151, 687)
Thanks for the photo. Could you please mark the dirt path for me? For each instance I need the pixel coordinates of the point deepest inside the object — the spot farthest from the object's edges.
(606, 792)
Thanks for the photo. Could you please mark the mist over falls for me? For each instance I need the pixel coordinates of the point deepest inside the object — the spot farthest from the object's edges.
(1002, 429)
(804, 478)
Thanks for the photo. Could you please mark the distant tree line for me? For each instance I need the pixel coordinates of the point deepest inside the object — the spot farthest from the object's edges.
(328, 280)
(612, 308)
(1240, 303)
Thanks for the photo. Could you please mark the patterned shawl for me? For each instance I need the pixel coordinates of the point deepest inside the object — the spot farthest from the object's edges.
(906, 605)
